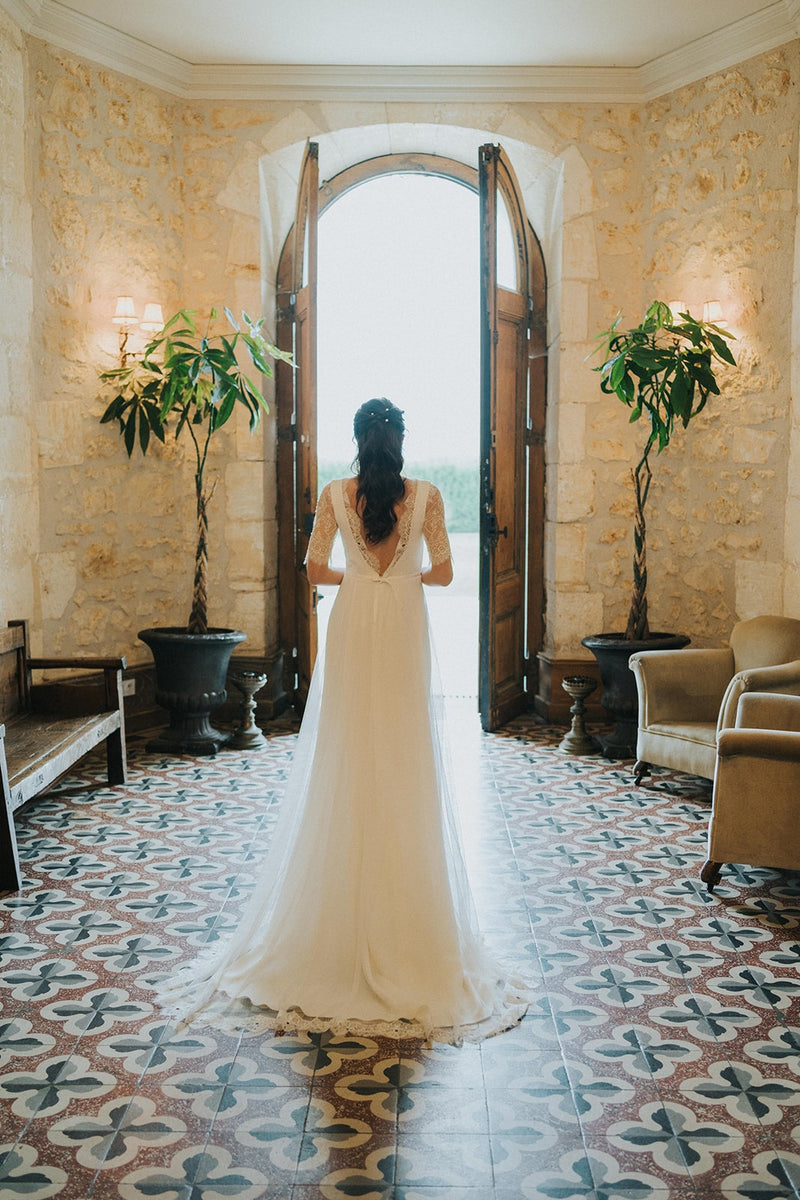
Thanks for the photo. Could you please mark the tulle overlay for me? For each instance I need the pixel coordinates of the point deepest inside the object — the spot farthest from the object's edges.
(362, 920)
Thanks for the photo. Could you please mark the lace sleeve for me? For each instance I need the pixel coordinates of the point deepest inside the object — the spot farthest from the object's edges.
(324, 531)
(434, 530)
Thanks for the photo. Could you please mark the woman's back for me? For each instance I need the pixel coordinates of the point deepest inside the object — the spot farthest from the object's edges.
(403, 545)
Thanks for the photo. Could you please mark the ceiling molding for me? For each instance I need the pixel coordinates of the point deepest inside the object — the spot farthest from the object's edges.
(68, 30)
(421, 84)
(764, 30)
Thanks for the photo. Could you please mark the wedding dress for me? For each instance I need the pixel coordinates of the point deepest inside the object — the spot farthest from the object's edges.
(362, 919)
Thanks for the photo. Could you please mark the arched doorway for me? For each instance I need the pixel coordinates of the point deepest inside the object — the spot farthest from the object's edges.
(513, 356)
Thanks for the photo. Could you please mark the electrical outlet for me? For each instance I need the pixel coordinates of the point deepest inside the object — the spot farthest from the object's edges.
(128, 687)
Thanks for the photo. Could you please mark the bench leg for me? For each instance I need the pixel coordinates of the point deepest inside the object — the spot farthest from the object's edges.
(116, 757)
(10, 877)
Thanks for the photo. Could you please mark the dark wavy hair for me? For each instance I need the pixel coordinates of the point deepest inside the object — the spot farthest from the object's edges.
(378, 428)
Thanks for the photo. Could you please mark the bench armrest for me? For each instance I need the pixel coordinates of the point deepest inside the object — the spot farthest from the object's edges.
(94, 664)
(680, 685)
(783, 678)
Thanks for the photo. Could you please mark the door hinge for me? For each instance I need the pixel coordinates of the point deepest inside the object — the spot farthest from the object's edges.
(534, 437)
(287, 433)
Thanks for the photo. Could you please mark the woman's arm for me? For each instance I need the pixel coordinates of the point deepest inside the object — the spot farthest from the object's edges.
(319, 574)
(321, 543)
(440, 572)
(440, 575)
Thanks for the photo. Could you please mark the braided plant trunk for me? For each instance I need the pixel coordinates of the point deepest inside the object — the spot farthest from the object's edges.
(198, 620)
(638, 628)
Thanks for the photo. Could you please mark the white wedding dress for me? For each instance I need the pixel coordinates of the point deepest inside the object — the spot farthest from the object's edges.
(362, 919)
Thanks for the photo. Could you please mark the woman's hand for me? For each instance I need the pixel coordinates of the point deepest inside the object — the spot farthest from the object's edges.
(439, 576)
(318, 574)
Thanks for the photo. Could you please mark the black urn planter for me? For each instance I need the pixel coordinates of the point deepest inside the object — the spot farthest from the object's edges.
(191, 669)
(620, 698)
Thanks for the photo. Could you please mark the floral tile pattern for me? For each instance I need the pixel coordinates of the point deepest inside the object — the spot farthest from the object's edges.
(660, 1058)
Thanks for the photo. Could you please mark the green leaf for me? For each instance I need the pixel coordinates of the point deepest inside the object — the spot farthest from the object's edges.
(722, 348)
(130, 432)
(144, 431)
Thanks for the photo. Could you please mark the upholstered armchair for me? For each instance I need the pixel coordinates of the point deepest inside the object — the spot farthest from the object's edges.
(686, 697)
(755, 813)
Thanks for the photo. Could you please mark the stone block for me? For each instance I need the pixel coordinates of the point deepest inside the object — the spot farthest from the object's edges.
(245, 542)
(574, 488)
(575, 310)
(60, 427)
(569, 566)
(57, 580)
(244, 492)
(753, 445)
(16, 449)
(758, 588)
(571, 433)
(579, 249)
(570, 617)
(241, 190)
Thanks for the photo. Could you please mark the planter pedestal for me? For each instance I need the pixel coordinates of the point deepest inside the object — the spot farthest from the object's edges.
(620, 698)
(191, 670)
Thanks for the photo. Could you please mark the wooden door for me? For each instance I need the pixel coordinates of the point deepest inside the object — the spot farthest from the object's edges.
(504, 434)
(297, 430)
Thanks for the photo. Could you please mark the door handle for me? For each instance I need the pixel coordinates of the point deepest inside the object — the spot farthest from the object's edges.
(494, 532)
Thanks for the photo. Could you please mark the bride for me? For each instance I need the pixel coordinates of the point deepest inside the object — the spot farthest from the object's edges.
(362, 919)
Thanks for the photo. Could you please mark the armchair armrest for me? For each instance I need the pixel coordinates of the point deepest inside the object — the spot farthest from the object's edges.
(680, 685)
(783, 678)
(772, 744)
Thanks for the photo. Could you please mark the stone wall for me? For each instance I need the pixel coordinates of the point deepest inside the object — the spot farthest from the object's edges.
(721, 161)
(139, 193)
(108, 220)
(19, 497)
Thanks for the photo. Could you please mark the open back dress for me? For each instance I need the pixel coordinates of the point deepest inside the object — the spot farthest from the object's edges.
(362, 919)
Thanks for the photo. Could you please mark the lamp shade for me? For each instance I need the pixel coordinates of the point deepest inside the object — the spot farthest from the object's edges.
(676, 307)
(124, 313)
(152, 319)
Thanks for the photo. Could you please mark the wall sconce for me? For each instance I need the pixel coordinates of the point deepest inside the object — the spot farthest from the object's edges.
(712, 312)
(125, 316)
(152, 319)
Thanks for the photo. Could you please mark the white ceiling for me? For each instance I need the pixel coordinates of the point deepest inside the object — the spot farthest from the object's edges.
(420, 48)
(617, 33)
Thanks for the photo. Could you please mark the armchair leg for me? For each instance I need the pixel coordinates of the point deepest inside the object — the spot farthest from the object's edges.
(711, 874)
(640, 770)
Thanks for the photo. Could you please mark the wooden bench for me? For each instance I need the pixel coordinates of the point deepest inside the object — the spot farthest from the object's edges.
(45, 728)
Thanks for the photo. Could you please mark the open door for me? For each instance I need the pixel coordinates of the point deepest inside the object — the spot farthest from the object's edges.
(505, 318)
(297, 429)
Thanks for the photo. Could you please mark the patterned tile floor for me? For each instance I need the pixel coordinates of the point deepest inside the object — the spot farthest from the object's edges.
(659, 1058)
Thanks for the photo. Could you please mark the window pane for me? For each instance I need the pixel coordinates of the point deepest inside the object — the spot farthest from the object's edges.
(506, 248)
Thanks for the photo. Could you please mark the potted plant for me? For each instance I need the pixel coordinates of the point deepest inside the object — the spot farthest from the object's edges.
(188, 383)
(663, 370)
